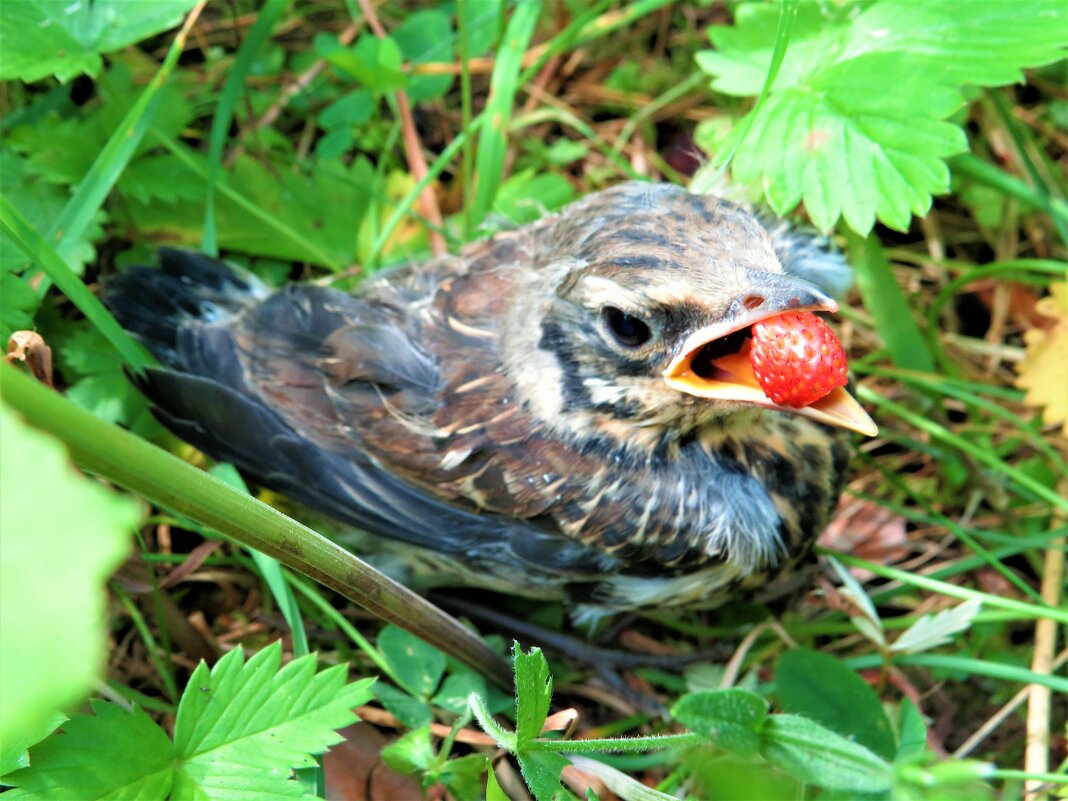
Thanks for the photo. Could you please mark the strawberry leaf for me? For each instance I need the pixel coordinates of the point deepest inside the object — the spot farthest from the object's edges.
(856, 119)
(67, 39)
(243, 726)
(111, 754)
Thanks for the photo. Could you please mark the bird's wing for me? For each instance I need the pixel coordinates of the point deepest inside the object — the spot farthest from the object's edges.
(330, 399)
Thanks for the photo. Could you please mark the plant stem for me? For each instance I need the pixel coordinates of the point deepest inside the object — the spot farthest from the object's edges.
(164, 479)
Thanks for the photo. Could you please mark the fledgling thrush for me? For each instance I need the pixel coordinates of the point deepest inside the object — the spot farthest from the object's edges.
(559, 410)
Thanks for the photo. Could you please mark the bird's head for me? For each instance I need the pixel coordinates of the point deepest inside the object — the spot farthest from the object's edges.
(641, 309)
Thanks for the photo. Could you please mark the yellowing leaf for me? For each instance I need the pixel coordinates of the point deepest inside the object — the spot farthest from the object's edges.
(1044, 370)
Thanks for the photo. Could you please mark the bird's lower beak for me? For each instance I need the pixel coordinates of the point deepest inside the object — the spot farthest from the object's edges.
(701, 371)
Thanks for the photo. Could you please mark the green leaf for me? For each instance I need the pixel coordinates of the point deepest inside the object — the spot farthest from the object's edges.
(463, 775)
(14, 753)
(981, 42)
(62, 536)
(542, 770)
(818, 756)
(417, 666)
(411, 712)
(930, 631)
(729, 718)
(887, 304)
(66, 39)
(856, 116)
(375, 63)
(243, 726)
(533, 693)
(529, 195)
(504, 83)
(412, 753)
(112, 754)
(353, 108)
(456, 688)
(41, 201)
(425, 37)
(17, 304)
(912, 732)
(821, 688)
(266, 210)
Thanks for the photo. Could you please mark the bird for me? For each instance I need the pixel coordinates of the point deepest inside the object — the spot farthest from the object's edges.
(558, 411)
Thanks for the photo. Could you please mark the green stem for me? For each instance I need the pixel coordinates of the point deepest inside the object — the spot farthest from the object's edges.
(966, 665)
(167, 481)
(619, 744)
(952, 590)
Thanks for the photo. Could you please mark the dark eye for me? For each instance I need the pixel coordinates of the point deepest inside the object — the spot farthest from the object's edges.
(628, 330)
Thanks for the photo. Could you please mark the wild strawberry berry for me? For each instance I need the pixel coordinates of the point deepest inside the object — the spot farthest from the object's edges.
(797, 359)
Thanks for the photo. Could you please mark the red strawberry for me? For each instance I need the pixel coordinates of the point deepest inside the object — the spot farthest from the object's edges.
(797, 359)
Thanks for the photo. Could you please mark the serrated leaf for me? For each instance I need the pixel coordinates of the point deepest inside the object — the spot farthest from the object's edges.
(533, 693)
(14, 747)
(542, 770)
(815, 755)
(412, 753)
(62, 536)
(1044, 370)
(417, 666)
(729, 718)
(242, 727)
(869, 623)
(856, 117)
(981, 42)
(848, 144)
(930, 631)
(18, 302)
(40, 201)
(66, 39)
(822, 689)
(111, 755)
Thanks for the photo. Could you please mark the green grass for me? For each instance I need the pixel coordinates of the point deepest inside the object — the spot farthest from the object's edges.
(976, 479)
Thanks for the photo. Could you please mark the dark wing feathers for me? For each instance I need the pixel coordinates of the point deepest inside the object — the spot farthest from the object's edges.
(269, 382)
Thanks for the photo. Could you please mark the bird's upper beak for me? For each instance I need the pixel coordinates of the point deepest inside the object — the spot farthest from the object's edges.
(713, 362)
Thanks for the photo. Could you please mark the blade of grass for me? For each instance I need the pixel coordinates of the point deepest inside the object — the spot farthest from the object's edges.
(886, 303)
(1042, 180)
(952, 388)
(270, 570)
(585, 27)
(986, 173)
(98, 182)
(468, 154)
(309, 591)
(787, 13)
(963, 664)
(1040, 267)
(952, 590)
(942, 434)
(504, 84)
(319, 255)
(224, 110)
(164, 479)
(16, 227)
(162, 665)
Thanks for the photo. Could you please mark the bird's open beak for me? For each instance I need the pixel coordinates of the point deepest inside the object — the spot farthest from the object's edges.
(714, 363)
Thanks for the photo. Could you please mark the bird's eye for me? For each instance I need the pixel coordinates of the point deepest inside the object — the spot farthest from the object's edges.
(630, 331)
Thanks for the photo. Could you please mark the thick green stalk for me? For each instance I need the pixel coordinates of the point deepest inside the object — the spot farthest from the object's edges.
(164, 479)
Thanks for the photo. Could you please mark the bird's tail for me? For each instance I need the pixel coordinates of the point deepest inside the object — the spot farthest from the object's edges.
(153, 304)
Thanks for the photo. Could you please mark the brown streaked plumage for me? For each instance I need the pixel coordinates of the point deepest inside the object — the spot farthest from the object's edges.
(552, 412)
